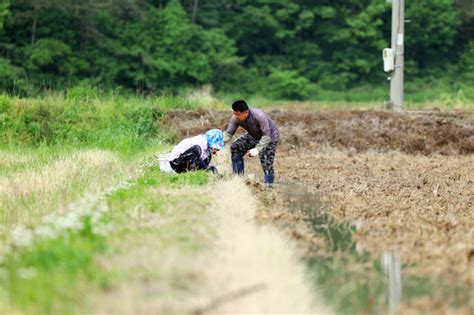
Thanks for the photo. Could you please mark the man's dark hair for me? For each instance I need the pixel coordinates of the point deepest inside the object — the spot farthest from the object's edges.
(239, 106)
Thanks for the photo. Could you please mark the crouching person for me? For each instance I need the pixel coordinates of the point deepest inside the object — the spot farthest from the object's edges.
(196, 153)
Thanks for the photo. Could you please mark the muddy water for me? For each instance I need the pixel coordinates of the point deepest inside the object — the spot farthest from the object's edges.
(356, 282)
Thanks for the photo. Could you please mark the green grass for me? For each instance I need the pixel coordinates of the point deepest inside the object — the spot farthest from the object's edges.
(59, 147)
(37, 181)
(61, 275)
(417, 95)
(166, 217)
(155, 177)
(59, 272)
(110, 121)
(18, 159)
(147, 193)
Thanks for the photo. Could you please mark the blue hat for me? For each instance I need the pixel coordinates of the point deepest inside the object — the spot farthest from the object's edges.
(215, 139)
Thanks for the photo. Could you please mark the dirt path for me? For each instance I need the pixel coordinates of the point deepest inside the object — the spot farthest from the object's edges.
(253, 269)
(241, 267)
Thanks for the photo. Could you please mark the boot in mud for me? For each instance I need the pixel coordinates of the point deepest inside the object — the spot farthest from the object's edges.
(214, 171)
(238, 166)
(269, 180)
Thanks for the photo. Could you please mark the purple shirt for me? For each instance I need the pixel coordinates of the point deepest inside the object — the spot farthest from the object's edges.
(257, 124)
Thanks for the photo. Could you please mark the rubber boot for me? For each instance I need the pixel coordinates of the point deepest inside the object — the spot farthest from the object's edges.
(269, 180)
(214, 171)
(238, 166)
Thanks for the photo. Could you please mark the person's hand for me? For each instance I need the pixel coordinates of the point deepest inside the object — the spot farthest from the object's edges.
(253, 152)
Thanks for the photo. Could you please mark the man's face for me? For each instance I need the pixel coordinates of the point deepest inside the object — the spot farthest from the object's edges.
(241, 116)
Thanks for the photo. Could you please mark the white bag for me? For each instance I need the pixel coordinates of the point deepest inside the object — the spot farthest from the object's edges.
(164, 163)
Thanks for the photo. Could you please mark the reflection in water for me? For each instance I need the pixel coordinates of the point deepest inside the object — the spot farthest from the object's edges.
(391, 267)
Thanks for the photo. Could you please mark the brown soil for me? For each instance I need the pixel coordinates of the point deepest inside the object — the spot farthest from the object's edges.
(420, 207)
(446, 133)
(405, 180)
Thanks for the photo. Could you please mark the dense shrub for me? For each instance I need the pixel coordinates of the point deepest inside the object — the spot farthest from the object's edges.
(148, 46)
(467, 62)
(288, 85)
(84, 117)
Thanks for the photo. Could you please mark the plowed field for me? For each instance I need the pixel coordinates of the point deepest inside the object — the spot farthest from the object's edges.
(404, 180)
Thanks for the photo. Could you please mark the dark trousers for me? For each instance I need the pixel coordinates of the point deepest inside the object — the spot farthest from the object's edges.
(247, 142)
(189, 160)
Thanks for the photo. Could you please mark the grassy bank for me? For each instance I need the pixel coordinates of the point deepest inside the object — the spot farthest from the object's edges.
(69, 191)
(109, 122)
(37, 182)
(55, 150)
(55, 267)
(57, 147)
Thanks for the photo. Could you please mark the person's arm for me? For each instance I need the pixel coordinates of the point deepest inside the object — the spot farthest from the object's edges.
(204, 163)
(227, 137)
(266, 131)
(230, 131)
(262, 144)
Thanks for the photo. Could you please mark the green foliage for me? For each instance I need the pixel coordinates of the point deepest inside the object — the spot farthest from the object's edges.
(149, 191)
(175, 220)
(11, 77)
(428, 18)
(57, 272)
(151, 46)
(288, 85)
(85, 117)
(467, 63)
(4, 5)
(51, 55)
(355, 39)
(361, 94)
(452, 100)
(167, 49)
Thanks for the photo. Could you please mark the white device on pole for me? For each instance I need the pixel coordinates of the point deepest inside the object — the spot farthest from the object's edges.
(388, 60)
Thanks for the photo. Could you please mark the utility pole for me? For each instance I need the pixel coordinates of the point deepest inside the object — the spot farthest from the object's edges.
(398, 29)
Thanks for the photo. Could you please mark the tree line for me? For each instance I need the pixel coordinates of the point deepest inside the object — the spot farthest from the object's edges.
(290, 48)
